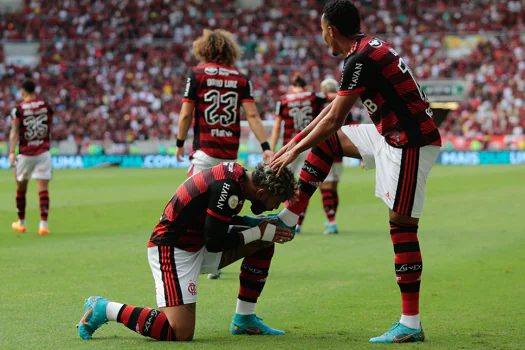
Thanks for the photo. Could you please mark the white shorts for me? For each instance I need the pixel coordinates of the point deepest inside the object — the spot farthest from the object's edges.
(401, 174)
(38, 167)
(298, 163)
(201, 161)
(176, 273)
(335, 173)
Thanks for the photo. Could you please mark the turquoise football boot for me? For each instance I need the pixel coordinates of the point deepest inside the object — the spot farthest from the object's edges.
(331, 229)
(400, 333)
(251, 324)
(253, 221)
(94, 317)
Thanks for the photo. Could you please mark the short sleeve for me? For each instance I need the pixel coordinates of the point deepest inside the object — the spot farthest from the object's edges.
(247, 93)
(224, 199)
(190, 90)
(15, 114)
(353, 80)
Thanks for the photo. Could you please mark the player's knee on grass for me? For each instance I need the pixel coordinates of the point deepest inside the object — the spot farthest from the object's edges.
(182, 320)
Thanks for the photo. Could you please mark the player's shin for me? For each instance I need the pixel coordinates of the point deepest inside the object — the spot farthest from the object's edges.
(44, 207)
(148, 322)
(409, 266)
(21, 206)
(315, 170)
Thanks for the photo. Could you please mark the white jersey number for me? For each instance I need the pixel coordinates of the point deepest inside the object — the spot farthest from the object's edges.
(229, 103)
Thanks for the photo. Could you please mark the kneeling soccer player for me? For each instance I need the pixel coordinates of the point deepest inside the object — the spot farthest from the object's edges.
(192, 238)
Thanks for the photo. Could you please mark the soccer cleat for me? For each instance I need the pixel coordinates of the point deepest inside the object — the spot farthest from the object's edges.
(94, 317)
(400, 333)
(253, 221)
(212, 276)
(297, 229)
(280, 223)
(331, 229)
(251, 324)
(43, 231)
(17, 227)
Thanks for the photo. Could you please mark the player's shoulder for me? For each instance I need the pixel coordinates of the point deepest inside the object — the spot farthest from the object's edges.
(214, 69)
(369, 46)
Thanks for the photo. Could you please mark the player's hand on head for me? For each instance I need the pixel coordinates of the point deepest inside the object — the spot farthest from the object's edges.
(283, 161)
(268, 155)
(284, 149)
(180, 154)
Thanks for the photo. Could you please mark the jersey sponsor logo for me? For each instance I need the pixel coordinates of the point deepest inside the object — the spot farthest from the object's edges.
(187, 89)
(223, 196)
(225, 71)
(375, 43)
(30, 105)
(221, 133)
(211, 70)
(355, 75)
(221, 83)
(233, 201)
(231, 166)
(192, 288)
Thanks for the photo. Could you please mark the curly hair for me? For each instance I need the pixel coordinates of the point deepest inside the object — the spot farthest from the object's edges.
(283, 185)
(216, 46)
(343, 15)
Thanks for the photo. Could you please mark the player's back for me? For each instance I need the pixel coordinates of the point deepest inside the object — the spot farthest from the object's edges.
(389, 91)
(35, 118)
(182, 223)
(218, 92)
(298, 109)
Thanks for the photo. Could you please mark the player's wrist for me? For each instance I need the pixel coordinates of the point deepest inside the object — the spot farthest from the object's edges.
(11, 152)
(299, 137)
(252, 234)
(180, 143)
(265, 146)
(269, 233)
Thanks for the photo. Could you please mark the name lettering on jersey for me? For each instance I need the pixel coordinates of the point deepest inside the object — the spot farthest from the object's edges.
(221, 83)
(300, 103)
(221, 133)
(355, 75)
(35, 104)
(35, 143)
(29, 112)
(224, 195)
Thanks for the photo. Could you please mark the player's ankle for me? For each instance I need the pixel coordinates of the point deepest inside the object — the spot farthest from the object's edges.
(21, 222)
(410, 321)
(43, 223)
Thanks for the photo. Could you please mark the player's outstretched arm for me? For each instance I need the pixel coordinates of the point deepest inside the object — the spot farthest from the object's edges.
(186, 114)
(254, 119)
(276, 133)
(325, 128)
(14, 135)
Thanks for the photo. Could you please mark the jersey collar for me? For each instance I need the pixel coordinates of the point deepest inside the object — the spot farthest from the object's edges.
(356, 44)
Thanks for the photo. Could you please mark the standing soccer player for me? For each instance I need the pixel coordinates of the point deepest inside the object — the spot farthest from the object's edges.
(215, 91)
(297, 109)
(402, 145)
(30, 130)
(193, 237)
(214, 94)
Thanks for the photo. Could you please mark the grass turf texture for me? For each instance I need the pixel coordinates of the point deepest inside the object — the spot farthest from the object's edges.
(325, 292)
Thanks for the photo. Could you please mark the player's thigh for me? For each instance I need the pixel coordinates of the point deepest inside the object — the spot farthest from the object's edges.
(182, 320)
(363, 139)
(298, 163)
(334, 176)
(176, 274)
(201, 161)
(401, 178)
(43, 169)
(25, 165)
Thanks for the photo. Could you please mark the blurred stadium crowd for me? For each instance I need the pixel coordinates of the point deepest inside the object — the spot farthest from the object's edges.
(114, 69)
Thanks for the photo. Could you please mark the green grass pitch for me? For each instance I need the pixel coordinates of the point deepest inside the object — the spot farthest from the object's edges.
(326, 292)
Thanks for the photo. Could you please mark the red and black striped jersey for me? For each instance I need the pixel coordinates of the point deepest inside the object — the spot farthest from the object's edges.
(218, 92)
(394, 100)
(218, 191)
(35, 118)
(298, 109)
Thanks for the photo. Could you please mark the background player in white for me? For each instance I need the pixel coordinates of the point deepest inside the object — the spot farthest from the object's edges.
(30, 130)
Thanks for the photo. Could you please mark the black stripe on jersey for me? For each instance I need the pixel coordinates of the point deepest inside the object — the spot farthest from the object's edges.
(215, 144)
(409, 124)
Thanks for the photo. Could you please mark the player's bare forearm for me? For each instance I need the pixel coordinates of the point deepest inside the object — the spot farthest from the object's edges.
(254, 119)
(14, 135)
(276, 133)
(186, 114)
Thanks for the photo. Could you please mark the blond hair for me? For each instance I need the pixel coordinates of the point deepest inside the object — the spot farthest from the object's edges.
(216, 46)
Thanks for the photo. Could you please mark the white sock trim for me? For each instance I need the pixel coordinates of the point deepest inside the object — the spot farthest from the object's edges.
(251, 234)
(245, 308)
(22, 222)
(289, 218)
(112, 310)
(269, 233)
(43, 223)
(410, 321)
